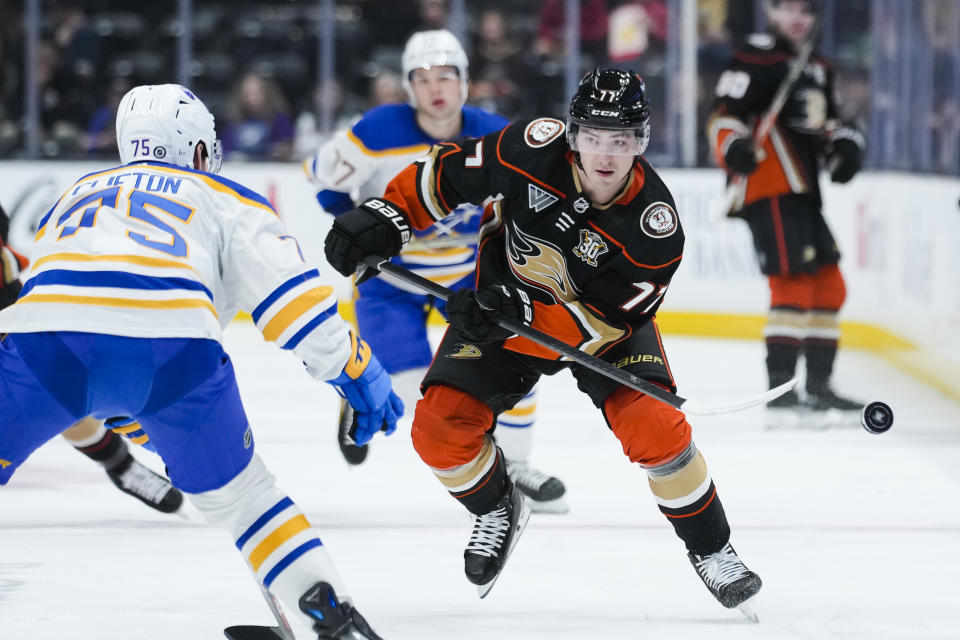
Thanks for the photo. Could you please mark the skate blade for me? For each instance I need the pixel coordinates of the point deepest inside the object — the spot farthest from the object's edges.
(253, 632)
(484, 589)
(557, 506)
(749, 608)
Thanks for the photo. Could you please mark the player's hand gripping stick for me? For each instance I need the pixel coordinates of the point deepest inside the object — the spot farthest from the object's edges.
(595, 364)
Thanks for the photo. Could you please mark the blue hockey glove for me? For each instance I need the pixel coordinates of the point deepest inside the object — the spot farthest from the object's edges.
(131, 430)
(366, 386)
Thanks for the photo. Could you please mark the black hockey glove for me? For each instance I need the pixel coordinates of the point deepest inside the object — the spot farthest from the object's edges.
(472, 313)
(740, 156)
(376, 227)
(845, 154)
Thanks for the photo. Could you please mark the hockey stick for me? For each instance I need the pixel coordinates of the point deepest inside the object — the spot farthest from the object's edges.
(737, 187)
(591, 362)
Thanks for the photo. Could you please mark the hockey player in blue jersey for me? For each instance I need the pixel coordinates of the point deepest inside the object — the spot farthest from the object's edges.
(136, 270)
(358, 163)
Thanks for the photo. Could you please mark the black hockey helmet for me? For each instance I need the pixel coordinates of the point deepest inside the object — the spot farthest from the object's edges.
(610, 99)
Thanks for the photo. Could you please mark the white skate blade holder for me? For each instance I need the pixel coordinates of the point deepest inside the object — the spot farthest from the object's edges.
(484, 589)
(749, 609)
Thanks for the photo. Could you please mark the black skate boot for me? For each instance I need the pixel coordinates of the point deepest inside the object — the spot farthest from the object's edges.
(351, 452)
(827, 409)
(730, 582)
(494, 535)
(785, 412)
(332, 619)
(544, 493)
(151, 489)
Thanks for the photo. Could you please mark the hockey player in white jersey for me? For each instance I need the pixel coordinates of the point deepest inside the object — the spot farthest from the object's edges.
(137, 269)
(356, 164)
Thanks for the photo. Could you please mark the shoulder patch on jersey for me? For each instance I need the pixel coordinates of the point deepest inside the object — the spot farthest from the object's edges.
(659, 220)
(761, 40)
(542, 132)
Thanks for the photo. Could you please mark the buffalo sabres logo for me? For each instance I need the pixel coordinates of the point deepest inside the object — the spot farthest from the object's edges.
(659, 220)
(5, 463)
(591, 245)
(465, 351)
(542, 132)
(581, 204)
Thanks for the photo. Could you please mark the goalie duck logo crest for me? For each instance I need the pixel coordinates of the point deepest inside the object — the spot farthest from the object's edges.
(591, 246)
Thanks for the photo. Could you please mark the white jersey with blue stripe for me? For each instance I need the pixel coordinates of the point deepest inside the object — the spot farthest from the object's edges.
(357, 164)
(153, 251)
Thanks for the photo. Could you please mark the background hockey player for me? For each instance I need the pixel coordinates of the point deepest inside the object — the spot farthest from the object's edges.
(782, 203)
(392, 316)
(89, 436)
(587, 261)
(136, 269)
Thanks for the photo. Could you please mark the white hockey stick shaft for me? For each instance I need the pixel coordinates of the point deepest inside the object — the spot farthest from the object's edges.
(591, 362)
(762, 132)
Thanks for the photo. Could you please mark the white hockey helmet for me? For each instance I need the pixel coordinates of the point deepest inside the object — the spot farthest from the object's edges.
(434, 48)
(164, 123)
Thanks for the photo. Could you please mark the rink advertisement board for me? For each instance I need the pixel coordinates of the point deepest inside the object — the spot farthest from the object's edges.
(897, 232)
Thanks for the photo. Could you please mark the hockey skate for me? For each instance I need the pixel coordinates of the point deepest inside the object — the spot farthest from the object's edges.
(827, 409)
(153, 490)
(544, 493)
(730, 582)
(494, 536)
(351, 452)
(334, 620)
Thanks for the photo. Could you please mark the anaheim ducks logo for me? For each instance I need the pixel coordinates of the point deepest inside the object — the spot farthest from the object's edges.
(539, 263)
(465, 351)
(542, 132)
(659, 220)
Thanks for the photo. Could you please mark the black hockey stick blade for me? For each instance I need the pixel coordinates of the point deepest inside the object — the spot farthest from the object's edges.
(591, 362)
(253, 632)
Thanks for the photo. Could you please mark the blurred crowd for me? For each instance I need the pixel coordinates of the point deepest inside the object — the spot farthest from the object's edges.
(256, 63)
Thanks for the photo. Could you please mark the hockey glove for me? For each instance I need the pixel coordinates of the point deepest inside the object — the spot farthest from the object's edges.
(375, 227)
(131, 430)
(366, 386)
(740, 156)
(473, 313)
(845, 154)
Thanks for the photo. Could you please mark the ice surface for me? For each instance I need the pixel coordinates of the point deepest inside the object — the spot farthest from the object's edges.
(855, 535)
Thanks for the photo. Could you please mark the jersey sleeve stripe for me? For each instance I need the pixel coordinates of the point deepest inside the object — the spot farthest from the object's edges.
(112, 279)
(393, 151)
(144, 261)
(298, 337)
(126, 303)
(627, 255)
(295, 309)
(282, 289)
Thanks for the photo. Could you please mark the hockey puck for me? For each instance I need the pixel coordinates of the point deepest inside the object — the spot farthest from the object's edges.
(877, 417)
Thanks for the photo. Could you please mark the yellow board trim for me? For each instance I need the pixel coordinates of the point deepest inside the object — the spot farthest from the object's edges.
(127, 303)
(294, 309)
(272, 542)
(395, 151)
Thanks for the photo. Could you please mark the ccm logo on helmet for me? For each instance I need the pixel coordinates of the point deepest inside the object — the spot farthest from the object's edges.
(604, 112)
(542, 132)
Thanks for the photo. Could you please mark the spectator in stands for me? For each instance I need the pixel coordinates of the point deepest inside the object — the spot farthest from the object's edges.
(102, 129)
(499, 74)
(309, 133)
(434, 14)
(11, 96)
(636, 28)
(259, 126)
(385, 88)
(593, 29)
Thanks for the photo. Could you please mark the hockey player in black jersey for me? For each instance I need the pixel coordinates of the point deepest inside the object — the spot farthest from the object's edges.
(781, 203)
(582, 245)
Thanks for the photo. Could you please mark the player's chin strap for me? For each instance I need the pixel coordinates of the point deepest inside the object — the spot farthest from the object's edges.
(591, 362)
